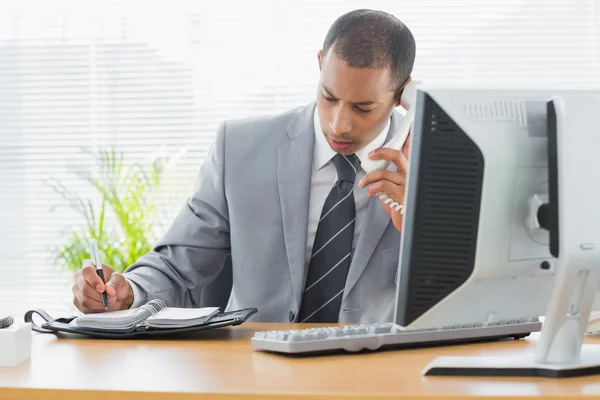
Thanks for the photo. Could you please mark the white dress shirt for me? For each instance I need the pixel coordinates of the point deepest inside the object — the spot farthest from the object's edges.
(324, 176)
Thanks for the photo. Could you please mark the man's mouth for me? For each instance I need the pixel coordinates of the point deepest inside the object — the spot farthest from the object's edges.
(340, 145)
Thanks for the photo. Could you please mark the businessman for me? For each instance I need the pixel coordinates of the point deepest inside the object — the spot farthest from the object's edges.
(284, 199)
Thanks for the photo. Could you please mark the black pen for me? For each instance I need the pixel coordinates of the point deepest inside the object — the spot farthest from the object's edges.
(6, 322)
(96, 258)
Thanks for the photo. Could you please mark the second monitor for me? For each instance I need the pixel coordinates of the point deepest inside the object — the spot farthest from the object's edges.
(480, 237)
(469, 251)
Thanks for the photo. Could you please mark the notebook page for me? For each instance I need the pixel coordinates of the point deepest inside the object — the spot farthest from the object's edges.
(172, 317)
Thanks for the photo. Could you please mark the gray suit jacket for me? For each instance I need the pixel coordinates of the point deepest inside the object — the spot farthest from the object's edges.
(251, 202)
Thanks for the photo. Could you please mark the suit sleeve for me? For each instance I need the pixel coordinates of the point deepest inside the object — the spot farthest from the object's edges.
(192, 252)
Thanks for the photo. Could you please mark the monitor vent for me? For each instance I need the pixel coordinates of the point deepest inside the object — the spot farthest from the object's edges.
(496, 110)
(450, 180)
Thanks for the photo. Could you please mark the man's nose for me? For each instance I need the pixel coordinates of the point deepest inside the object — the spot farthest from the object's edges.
(341, 122)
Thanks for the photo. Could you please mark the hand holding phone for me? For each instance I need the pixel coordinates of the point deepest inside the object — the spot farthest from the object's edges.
(390, 185)
(407, 101)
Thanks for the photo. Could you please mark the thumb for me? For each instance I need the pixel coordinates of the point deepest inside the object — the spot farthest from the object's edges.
(115, 283)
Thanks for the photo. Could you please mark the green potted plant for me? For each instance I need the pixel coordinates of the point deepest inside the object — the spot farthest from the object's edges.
(125, 209)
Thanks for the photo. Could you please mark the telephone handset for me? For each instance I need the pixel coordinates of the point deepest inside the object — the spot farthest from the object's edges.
(407, 101)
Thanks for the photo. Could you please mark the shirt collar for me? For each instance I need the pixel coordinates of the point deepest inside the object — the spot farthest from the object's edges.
(324, 153)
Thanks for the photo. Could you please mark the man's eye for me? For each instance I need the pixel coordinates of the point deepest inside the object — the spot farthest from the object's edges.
(363, 110)
(329, 99)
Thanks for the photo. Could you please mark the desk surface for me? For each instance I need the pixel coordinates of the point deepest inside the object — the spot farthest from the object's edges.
(222, 364)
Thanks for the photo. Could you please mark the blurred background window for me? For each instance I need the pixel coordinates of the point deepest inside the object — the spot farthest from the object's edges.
(91, 89)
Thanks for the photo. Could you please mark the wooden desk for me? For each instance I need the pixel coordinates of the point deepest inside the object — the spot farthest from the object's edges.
(222, 364)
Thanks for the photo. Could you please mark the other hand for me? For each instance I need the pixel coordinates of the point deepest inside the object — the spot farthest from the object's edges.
(392, 183)
(88, 286)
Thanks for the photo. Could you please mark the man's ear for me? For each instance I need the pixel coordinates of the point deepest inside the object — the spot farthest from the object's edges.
(399, 99)
(320, 57)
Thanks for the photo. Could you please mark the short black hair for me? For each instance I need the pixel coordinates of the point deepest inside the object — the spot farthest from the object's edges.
(373, 39)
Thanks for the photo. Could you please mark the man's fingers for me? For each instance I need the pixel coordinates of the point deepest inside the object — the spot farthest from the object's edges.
(89, 274)
(77, 304)
(87, 303)
(393, 155)
(77, 293)
(382, 174)
(81, 308)
(84, 284)
(88, 290)
(387, 187)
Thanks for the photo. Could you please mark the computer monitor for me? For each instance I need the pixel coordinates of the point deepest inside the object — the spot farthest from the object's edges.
(492, 176)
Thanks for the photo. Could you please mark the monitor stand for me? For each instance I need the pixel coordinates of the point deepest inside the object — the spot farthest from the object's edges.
(560, 352)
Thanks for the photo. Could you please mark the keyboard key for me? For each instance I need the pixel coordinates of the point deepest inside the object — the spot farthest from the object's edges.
(321, 335)
(295, 337)
(339, 333)
(363, 330)
(379, 329)
(332, 331)
(272, 335)
(349, 330)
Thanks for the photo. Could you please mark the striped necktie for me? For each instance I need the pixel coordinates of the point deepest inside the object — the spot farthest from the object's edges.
(332, 249)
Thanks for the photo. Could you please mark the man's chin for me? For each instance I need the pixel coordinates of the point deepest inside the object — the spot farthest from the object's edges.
(348, 152)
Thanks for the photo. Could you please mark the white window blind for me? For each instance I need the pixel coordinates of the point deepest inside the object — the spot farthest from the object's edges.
(141, 75)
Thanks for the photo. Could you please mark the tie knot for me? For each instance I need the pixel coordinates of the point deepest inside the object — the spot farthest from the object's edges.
(346, 167)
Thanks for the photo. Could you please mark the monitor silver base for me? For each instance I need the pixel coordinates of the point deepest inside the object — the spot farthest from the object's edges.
(516, 366)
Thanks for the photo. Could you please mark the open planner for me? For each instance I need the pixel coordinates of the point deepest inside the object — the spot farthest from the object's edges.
(152, 319)
(154, 314)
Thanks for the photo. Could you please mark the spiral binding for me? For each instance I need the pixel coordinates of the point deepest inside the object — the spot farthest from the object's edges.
(153, 306)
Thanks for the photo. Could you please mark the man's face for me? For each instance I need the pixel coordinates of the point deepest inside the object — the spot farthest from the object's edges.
(354, 104)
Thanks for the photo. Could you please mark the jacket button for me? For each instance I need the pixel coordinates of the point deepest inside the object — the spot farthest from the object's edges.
(292, 316)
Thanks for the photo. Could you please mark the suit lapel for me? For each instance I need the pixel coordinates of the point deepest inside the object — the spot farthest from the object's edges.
(375, 222)
(294, 167)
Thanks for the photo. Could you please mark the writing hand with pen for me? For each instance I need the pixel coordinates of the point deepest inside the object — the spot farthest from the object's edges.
(98, 289)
